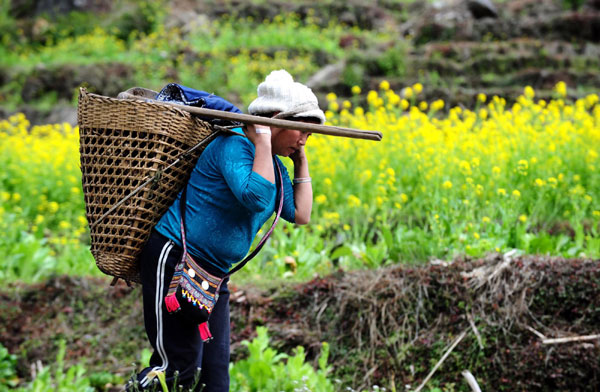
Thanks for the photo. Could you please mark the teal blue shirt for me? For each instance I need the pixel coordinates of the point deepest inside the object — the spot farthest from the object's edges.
(226, 203)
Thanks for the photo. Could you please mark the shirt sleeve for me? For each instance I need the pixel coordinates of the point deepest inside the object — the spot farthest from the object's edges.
(250, 188)
(288, 212)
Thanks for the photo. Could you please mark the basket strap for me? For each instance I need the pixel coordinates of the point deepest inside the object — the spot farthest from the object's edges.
(263, 240)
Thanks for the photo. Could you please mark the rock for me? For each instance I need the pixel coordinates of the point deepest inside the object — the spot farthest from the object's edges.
(62, 114)
(57, 115)
(442, 20)
(186, 20)
(105, 79)
(327, 77)
(33, 8)
(482, 9)
(593, 4)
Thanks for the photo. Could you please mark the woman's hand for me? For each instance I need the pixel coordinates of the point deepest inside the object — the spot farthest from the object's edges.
(258, 134)
(298, 156)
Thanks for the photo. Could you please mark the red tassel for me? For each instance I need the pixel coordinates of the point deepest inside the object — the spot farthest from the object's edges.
(172, 303)
(205, 334)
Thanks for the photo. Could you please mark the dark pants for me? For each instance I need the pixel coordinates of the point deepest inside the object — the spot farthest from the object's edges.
(178, 350)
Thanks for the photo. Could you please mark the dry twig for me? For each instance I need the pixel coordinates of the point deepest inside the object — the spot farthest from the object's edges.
(539, 334)
(475, 330)
(471, 380)
(437, 365)
(571, 339)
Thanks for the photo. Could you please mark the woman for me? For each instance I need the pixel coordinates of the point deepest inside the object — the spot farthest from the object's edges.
(231, 193)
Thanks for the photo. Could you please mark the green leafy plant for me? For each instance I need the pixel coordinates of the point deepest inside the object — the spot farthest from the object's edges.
(56, 378)
(8, 373)
(265, 369)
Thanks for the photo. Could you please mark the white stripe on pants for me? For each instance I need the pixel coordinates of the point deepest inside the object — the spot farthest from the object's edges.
(160, 276)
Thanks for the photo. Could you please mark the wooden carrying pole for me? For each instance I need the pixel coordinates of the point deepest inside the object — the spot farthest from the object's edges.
(272, 122)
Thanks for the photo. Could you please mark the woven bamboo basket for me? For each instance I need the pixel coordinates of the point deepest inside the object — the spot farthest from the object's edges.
(128, 149)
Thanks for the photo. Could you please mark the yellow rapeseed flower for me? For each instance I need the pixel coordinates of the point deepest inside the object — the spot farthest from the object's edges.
(408, 92)
(64, 225)
(321, 199)
(577, 190)
(331, 216)
(331, 97)
(384, 85)
(522, 166)
(353, 201)
(481, 97)
(393, 98)
(356, 90)
(447, 184)
(53, 207)
(372, 96)
(501, 191)
(366, 175)
(529, 92)
(465, 168)
(418, 87)
(561, 88)
(523, 218)
(437, 104)
(486, 219)
(516, 194)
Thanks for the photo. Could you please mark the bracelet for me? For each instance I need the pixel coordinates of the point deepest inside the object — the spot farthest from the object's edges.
(300, 180)
(263, 130)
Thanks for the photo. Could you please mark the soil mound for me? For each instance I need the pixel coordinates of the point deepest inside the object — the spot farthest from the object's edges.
(386, 327)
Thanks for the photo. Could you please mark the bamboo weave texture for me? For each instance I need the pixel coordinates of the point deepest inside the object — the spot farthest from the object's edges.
(123, 143)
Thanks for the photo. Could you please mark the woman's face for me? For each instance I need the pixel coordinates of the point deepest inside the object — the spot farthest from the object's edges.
(287, 141)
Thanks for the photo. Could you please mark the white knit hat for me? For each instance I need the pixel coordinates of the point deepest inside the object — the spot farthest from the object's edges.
(279, 93)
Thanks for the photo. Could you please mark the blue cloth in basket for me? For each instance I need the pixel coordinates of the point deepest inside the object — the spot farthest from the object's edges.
(177, 93)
